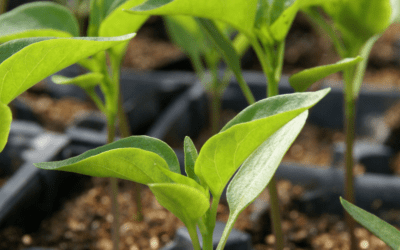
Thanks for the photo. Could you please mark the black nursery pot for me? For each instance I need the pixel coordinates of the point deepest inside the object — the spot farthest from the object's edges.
(188, 115)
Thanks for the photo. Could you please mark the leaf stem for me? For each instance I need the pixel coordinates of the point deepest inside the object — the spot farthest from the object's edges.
(193, 235)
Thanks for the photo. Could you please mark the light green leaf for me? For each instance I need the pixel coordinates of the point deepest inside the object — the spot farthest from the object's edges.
(258, 169)
(190, 158)
(185, 202)
(25, 62)
(186, 33)
(395, 17)
(227, 51)
(240, 14)
(5, 124)
(360, 19)
(223, 153)
(304, 79)
(132, 164)
(84, 81)
(119, 22)
(96, 16)
(381, 229)
(41, 19)
(141, 142)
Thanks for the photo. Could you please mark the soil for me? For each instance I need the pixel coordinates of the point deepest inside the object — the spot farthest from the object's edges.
(84, 221)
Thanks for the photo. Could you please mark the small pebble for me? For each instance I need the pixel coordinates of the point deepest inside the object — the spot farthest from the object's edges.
(27, 240)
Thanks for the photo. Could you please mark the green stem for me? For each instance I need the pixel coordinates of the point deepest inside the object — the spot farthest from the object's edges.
(193, 235)
(3, 6)
(96, 100)
(114, 191)
(210, 223)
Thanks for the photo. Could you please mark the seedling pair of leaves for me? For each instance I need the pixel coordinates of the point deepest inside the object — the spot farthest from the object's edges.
(256, 139)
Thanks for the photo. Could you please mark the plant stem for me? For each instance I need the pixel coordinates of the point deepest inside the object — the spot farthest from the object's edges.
(210, 223)
(193, 235)
(114, 191)
(349, 179)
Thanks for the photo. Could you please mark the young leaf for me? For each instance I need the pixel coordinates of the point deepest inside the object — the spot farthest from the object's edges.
(190, 158)
(5, 124)
(360, 19)
(381, 229)
(304, 79)
(186, 33)
(256, 172)
(119, 22)
(84, 81)
(185, 202)
(227, 51)
(40, 19)
(223, 153)
(141, 142)
(24, 62)
(240, 14)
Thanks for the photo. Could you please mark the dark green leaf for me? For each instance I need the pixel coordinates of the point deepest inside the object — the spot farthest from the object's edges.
(40, 19)
(381, 229)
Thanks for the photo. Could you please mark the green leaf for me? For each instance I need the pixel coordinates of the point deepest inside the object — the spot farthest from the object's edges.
(240, 14)
(185, 202)
(140, 142)
(360, 19)
(227, 51)
(84, 81)
(96, 16)
(5, 124)
(132, 164)
(381, 229)
(24, 62)
(41, 19)
(185, 32)
(303, 79)
(223, 153)
(190, 158)
(395, 16)
(119, 22)
(258, 169)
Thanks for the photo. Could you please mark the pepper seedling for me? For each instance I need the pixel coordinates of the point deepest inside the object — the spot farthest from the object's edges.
(254, 142)
(355, 27)
(106, 19)
(189, 35)
(264, 23)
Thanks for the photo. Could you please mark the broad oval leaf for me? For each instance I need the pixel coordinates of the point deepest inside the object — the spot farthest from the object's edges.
(5, 124)
(190, 158)
(132, 164)
(381, 229)
(240, 14)
(302, 80)
(88, 80)
(223, 153)
(40, 19)
(140, 142)
(24, 62)
(256, 172)
(185, 202)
